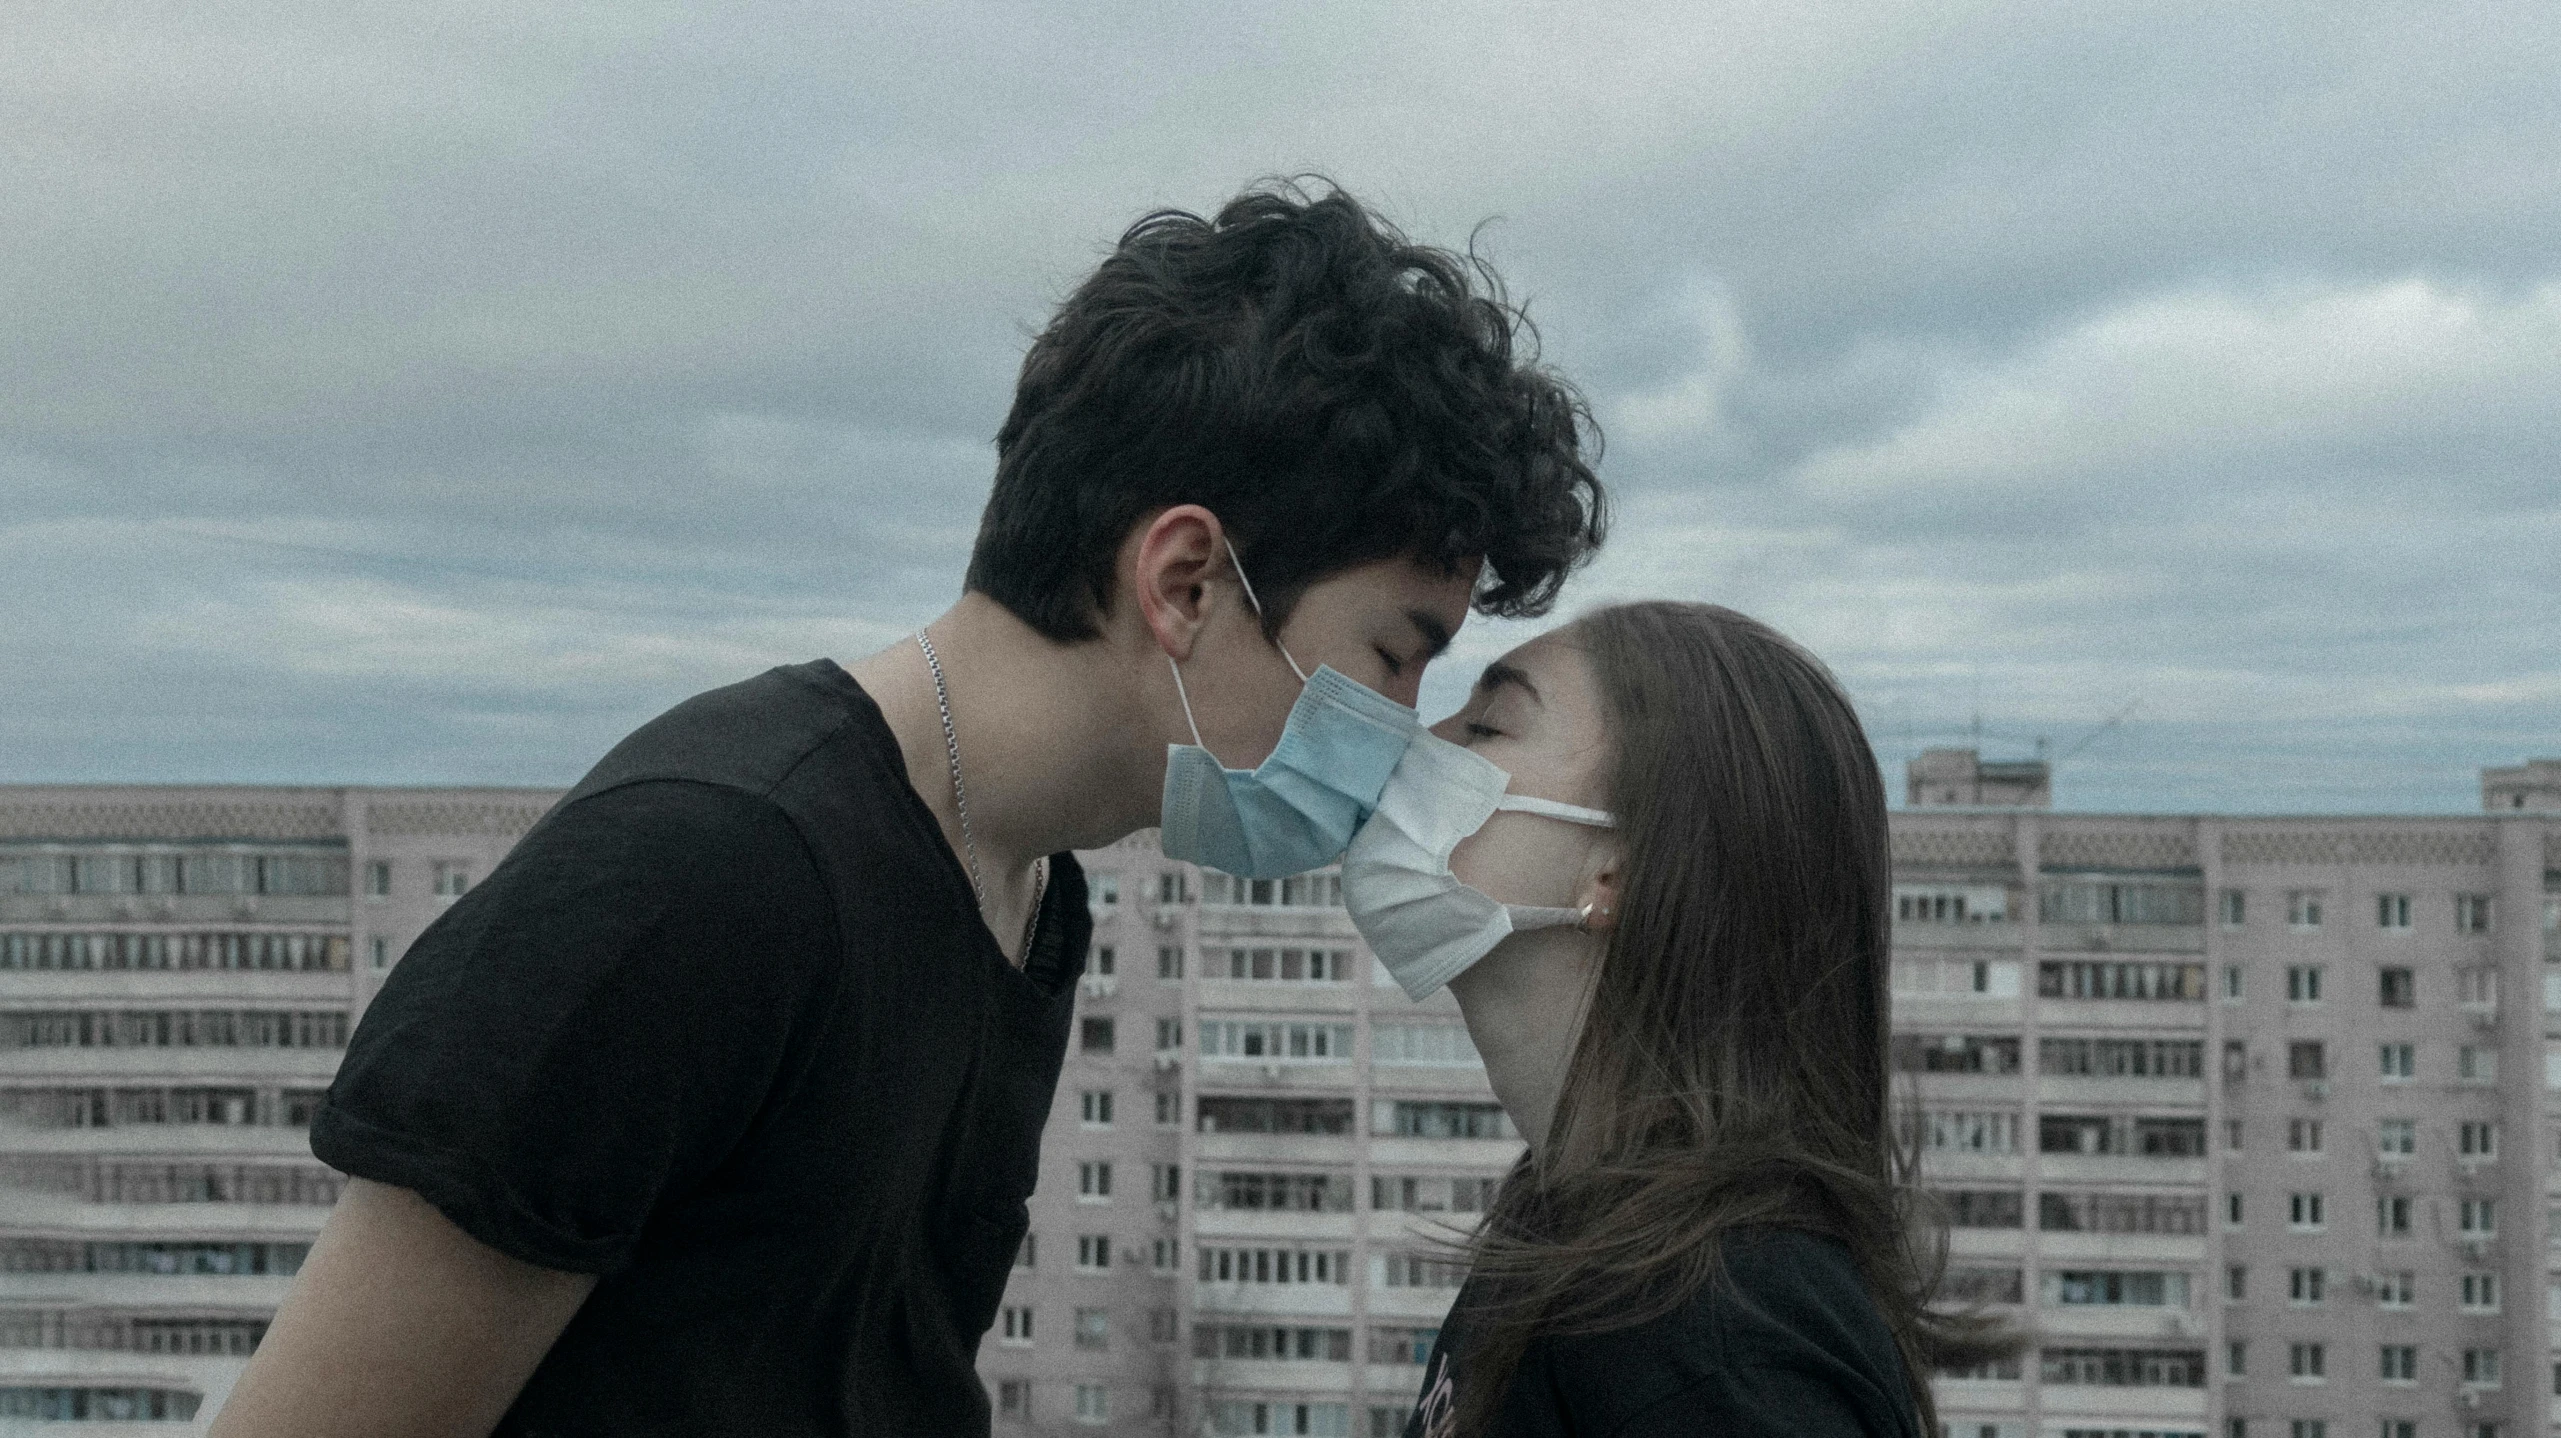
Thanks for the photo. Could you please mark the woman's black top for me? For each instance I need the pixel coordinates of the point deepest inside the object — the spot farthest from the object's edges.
(1792, 1345)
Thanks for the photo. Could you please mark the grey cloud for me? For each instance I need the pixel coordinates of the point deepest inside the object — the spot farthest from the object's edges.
(433, 392)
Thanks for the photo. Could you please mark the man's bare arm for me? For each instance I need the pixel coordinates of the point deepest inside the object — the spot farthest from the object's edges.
(400, 1325)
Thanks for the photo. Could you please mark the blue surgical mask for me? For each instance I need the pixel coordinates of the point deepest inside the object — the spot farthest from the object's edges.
(1299, 808)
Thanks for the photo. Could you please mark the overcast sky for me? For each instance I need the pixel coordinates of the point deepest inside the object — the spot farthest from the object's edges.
(431, 393)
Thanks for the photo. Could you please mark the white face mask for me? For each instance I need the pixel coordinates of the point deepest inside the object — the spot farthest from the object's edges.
(1420, 920)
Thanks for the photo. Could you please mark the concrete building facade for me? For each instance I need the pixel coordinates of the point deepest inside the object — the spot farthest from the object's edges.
(179, 969)
(2247, 1119)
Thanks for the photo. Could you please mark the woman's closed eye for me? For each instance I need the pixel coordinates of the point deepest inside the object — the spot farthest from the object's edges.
(1477, 729)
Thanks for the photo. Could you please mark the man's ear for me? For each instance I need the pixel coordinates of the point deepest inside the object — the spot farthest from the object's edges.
(1174, 557)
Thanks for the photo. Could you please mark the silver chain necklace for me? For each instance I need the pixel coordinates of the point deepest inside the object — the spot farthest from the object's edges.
(960, 802)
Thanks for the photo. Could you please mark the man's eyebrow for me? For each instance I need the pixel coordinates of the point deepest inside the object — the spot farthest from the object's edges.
(1436, 635)
(1498, 674)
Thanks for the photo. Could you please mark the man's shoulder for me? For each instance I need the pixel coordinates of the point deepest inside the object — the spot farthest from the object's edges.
(750, 736)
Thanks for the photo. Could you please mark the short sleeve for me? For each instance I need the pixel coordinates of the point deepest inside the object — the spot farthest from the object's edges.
(583, 1039)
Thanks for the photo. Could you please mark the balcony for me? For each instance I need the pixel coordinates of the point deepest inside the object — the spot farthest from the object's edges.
(1276, 1300)
(140, 1064)
(165, 988)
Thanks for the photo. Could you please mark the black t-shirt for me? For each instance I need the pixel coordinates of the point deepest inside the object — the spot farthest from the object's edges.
(1792, 1346)
(726, 1028)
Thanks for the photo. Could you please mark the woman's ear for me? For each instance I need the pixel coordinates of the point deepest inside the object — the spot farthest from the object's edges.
(1173, 558)
(1598, 898)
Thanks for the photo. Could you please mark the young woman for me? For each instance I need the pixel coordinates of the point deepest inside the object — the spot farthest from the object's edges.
(1650, 862)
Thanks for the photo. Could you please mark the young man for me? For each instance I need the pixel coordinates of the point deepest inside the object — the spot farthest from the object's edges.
(715, 1107)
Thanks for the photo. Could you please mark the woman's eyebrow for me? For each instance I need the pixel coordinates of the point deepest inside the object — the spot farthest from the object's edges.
(1499, 674)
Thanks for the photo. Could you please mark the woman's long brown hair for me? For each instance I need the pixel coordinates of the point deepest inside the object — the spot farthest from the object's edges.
(1732, 1064)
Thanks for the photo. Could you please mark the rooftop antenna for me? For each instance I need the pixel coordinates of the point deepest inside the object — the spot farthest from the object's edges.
(2087, 739)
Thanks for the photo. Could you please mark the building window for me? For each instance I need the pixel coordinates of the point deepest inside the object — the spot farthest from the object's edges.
(381, 951)
(1169, 1109)
(1093, 1252)
(2474, 1063)
(1164, 1182)
(1965, 1208)
(2400, 1062)
(2304, 1213)
(2392, 911)
(1444, 1045)
(1028, 1256)
(1013, 1398)
(1106, 961)
(1093, 1403)
(1275, 1265)
(1173, 888)
(1015, 1326)
(2303, 1135)
(1093, 1182)
(452, 877)
(1166, 1257)
(2303, 909)
(2232, 1132)
(2113, 1288)
(2472, 913)
(1095, 1036)
(2392, 1216)
(2303, 983)
(2481, 1367)
(378, 878)
(1169, 1035)
(2397, 1288)
(2120, 979)
(2305, 1362)
(2397, 988)
(2477, 1217)
(2306, 1059)
(2308, 1427)
(2398, 1363)
(1277, 965)
(2236, 1282)
(1169, 962)
(1164, 1325)
(2233, 907)
(2236, 1358)
(2477, 1139)
(2233, 989)
(1093, 1328)
(1268, 1343)
(2303, 1286)
(2480, 1292)
(2396, 1137)
(2123, 1367)
(2231, 1210)
(1106, 889)
(1297, 1042)
(1094, 1108)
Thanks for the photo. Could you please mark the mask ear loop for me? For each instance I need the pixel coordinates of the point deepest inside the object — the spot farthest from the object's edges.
(1187, 702)
(1258, 609)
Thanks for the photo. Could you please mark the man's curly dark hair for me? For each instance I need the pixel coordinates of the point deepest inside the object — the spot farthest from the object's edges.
(1332, 391)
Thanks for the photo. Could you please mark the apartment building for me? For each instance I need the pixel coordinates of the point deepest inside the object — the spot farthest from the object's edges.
(2245, 1118)
(1260, 1153)
(179, 970)
(2242, 1117)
